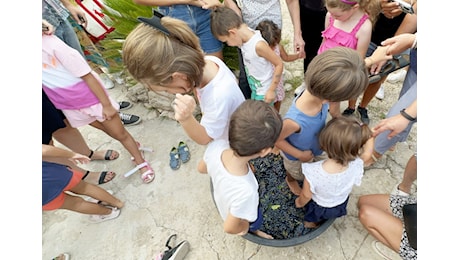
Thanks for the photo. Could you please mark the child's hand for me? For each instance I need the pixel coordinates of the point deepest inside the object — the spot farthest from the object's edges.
(78, 158)
(270, 96)
(306, 156)
(183, 105)
(109, 112)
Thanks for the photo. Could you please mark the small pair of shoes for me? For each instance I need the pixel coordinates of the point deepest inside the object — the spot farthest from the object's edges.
(363, 114)
(348, 112)
(397, 191)
(124, 105)
(177, 252)
(101, 218)
(179, 155)
(128, 119)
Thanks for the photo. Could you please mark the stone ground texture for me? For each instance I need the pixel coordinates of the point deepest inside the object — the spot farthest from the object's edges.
(180, 202)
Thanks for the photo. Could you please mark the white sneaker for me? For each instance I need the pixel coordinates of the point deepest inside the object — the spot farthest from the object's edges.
(397, 76)
(100, 218)
(381, 93)
(108, 83)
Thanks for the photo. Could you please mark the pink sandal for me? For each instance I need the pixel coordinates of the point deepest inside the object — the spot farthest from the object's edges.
(147, 176)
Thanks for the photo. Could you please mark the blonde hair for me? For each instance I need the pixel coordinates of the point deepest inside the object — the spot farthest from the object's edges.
(151, 56)
(371, 7)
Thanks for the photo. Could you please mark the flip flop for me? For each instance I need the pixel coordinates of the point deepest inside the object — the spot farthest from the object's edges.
(101, 176)
(108, 155)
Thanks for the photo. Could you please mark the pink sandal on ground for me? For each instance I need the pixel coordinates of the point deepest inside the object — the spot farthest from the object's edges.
(147, 176)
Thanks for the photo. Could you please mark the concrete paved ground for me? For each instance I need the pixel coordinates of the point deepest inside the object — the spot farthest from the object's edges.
(179, 202)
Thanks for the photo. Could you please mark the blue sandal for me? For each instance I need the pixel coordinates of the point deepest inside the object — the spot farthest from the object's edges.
(184, 153)
(174, 161)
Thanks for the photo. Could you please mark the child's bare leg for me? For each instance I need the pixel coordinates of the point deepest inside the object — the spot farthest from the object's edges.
(98, 193)
(310, 224)
(334, 109)
(77, 204)
(293, 184)
(116, 130)
(410, 175)
(260, 233)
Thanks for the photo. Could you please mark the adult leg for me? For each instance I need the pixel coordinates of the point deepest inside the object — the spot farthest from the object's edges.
(312, 24)
(410, 175)
(242, 78)
(376, 216)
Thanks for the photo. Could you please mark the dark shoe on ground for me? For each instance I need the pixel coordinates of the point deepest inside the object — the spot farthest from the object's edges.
(363, 114)
(348, 112)
(124, 105)
(184, 153)
(174, 161)
(128, 119)
(175, 253)
(108, 156)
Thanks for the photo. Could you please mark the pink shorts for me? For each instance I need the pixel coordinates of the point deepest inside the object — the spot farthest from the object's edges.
(87, 115)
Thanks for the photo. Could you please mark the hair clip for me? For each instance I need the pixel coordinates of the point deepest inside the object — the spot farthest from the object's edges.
(155, 21)
(349, 2)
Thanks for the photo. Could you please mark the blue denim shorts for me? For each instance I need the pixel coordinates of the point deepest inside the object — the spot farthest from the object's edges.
(199, 20)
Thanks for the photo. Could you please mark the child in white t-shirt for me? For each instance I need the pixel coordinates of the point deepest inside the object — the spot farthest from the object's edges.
(253, 131)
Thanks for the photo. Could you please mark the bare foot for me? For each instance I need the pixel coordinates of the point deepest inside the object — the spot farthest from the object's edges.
(262, 234)
(310, 224)
(294, 186)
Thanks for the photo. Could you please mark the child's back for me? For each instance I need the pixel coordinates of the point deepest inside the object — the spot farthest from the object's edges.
(254, 128)
(328, 183)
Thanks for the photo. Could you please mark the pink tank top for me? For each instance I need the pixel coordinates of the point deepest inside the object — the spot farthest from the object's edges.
(335, 37)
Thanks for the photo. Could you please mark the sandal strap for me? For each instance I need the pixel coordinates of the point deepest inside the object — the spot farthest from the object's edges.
(86, 174)
(91, 154)
(135, 169)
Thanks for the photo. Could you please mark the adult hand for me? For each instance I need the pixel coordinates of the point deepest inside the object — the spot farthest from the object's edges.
(396, 124)
(78, 15)
(390, 9)
(379, 58)
(299, 46)
(183, 105)
(399, 43)
(79, 158)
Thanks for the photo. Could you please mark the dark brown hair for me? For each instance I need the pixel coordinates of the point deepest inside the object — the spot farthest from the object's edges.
(223, 19)
(343, 137)
(254, 126)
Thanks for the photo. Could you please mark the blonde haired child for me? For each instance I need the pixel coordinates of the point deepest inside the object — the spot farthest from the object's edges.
(164, 54)
(347, 24)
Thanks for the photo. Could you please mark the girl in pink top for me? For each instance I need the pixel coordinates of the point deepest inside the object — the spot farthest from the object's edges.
(77, 90)
(347, 24)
